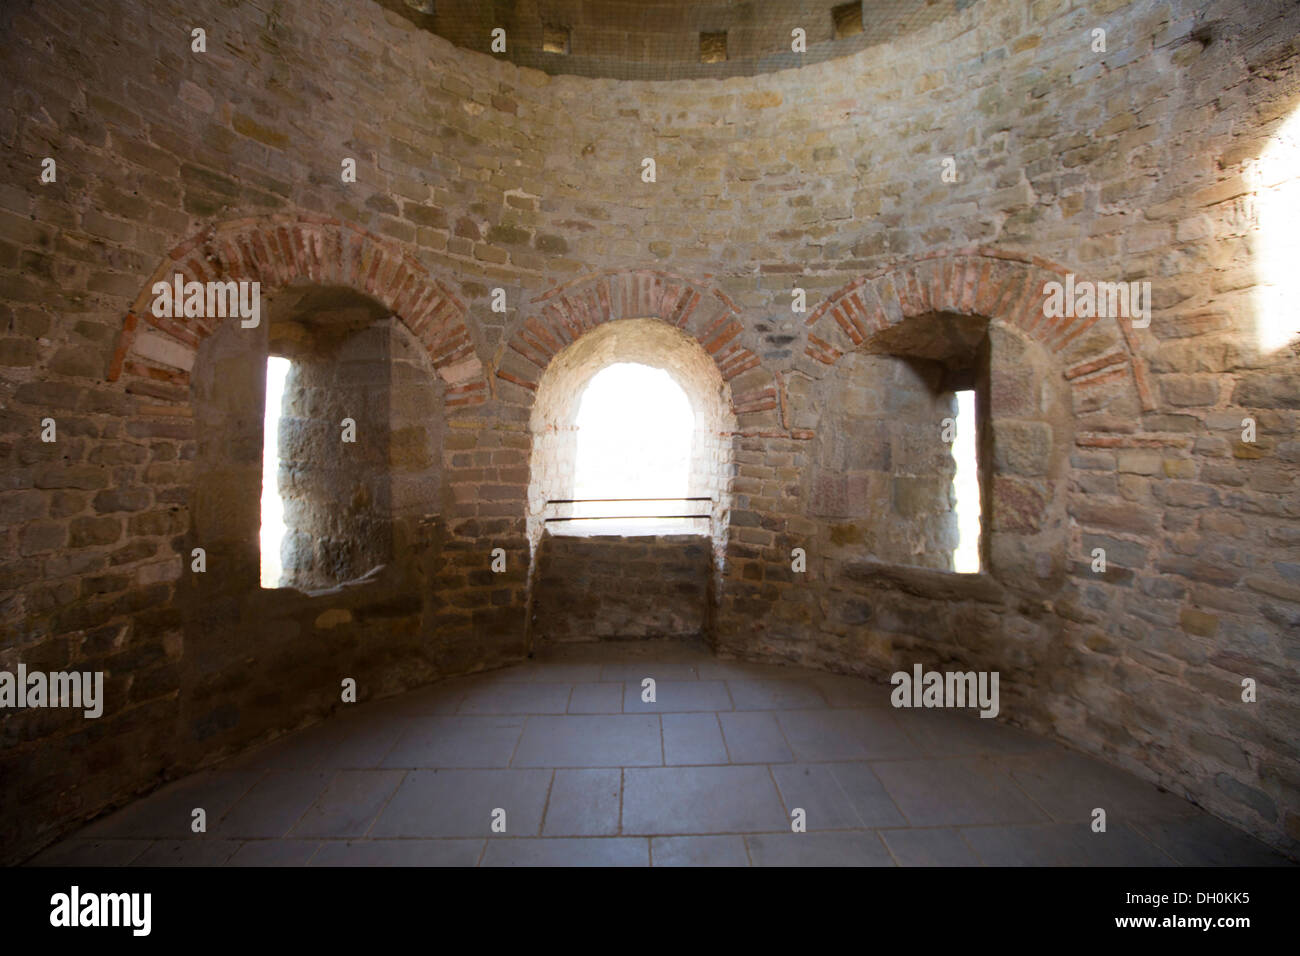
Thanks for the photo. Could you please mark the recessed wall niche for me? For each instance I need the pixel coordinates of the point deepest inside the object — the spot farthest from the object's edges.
(360, 435)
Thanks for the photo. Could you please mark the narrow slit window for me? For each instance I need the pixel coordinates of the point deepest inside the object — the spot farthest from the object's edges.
(966, 486)
(273, 527)
(555, 39)
(713, 47)
(846, 19)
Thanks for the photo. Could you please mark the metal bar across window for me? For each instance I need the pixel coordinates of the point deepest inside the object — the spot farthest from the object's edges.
(625, 517)
(580, 501)
(584, 501)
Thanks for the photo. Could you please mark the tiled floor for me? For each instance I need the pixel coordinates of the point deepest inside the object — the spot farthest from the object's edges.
(563, 752)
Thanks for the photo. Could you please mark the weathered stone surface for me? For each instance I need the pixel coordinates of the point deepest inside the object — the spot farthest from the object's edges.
(477, 175)
(617, 588)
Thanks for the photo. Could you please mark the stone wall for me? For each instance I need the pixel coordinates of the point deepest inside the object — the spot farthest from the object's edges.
(1137, 163)
(621, 588)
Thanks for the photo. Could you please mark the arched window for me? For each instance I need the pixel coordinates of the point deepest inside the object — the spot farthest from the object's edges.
(635, 427)
(332, 440)
(634, 410)
(897, 457)
(306, 492)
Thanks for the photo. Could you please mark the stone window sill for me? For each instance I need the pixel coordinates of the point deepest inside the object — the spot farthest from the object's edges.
(924, 582)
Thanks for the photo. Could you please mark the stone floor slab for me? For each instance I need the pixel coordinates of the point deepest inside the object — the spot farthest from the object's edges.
(1069, 786)
(169, 811)
(955, 792)
(812, 787)
(677, 696)
(596, 698)
(699, 851)
(584, 803)
(1202, 840)
(78, 852)
(463, 803)
(818, 849)
(616, 740)
(929, 847)
(348, 805)
(693, 739)
(399, 853)
(457, 742)
(517, 698)
(754, 737)
(701, 800)
(274, 853)
(187, 853)
(273, 805)
(817, 735)
(638, 669)
(617, 851)
(870, 800)
(955, 733)
(778, 694)
(1063, 844)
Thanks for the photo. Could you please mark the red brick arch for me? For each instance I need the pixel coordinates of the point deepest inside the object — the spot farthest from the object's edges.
(560, 316)
(998, 285)
(276, 251)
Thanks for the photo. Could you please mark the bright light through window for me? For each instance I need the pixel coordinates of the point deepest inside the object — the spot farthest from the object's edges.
(1276, 181)
(277, 370)
(635, 429)
(966, 556)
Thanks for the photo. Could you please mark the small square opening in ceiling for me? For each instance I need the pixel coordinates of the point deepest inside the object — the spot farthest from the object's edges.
(555, 39)
(713, 47)
(847, 19)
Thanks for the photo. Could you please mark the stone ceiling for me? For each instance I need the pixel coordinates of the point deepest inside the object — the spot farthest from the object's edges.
(662, 39)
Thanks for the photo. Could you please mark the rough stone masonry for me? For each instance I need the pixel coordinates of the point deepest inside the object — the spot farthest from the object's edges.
(921, 200)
